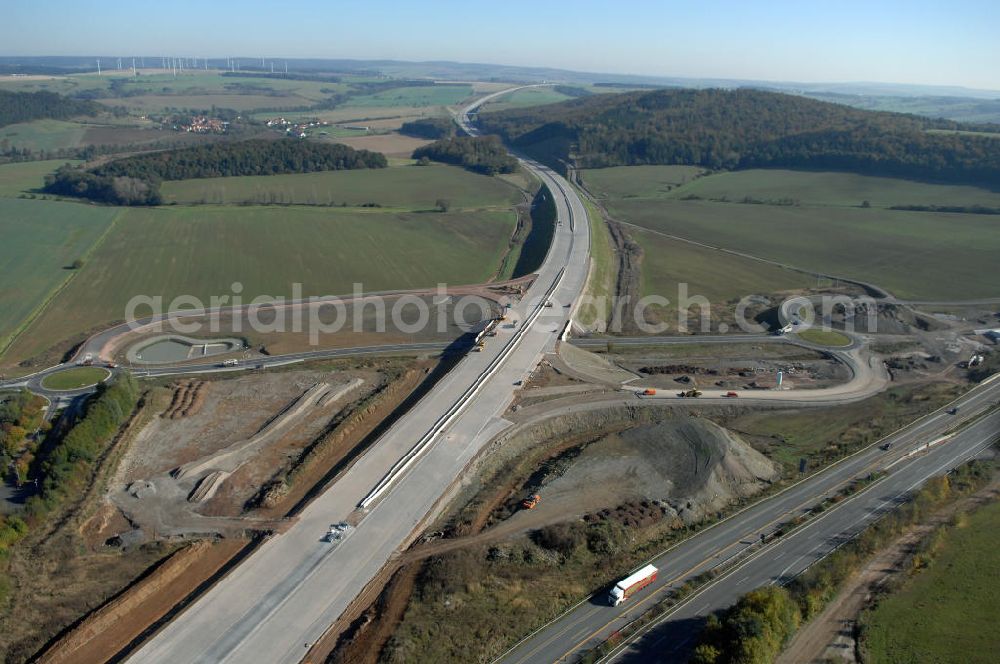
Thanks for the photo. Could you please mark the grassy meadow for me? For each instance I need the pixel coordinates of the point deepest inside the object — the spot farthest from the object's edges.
(638, 181)
(27, 176)
(75, 378)
(525, 98)
(40, 239)
(718, 276)
(821, 188)
(43, 135)
(946, 613)
(917, 255)
(415, 97)
(401, 187)
(203, 250)
(824, 337)
(600, 282)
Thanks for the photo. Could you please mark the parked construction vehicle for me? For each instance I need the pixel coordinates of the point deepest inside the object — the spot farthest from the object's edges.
(229, 363)
(531, 502)
(632, 584)
(732, 395)
(649, 392)
(689, 394)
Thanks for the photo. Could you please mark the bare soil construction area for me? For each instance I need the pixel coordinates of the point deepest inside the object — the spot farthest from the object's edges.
(125, 559)
(216, 443)
(739, 366)
(687, 466)
(613, 483)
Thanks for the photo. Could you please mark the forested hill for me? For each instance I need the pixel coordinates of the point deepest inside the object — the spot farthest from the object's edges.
(25, 106)
(733, 129)
(135, 180)
(254, 157)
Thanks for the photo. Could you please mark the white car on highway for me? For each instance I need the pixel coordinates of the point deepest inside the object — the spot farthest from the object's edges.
(336, 531)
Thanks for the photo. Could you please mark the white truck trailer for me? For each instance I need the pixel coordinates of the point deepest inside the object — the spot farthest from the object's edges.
(632, 584)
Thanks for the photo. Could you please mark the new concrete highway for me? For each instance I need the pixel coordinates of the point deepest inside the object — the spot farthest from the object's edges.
(280, 600)
(592, 621)
(283, 598)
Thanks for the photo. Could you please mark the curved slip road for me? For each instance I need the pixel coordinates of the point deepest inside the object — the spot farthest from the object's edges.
(294, 586)
(590, 622)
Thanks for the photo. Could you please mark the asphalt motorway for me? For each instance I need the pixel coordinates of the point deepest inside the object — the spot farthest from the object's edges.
(280, 600)
(593, 620)
(671, 639)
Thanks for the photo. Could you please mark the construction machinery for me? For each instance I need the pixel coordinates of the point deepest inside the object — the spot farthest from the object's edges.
(531, 502)
(689, 394)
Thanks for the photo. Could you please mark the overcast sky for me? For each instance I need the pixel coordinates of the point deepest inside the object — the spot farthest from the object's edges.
(898, 41)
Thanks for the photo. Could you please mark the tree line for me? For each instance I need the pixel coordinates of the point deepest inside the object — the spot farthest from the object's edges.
(26, 106)
(481, 154)
(745, 128)
(135, 180)
(21, 418)
(65, 465)
(432, 128)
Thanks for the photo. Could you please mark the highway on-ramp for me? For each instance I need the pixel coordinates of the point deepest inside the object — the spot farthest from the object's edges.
(593, 620)
(285, 595)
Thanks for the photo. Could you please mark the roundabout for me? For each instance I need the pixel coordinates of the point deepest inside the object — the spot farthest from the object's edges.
(75, 378)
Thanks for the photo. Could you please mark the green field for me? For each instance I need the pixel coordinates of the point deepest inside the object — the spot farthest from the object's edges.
(75, 378)
(43, 135)
(203, 250)
(600, 282)
(430, 95)
(638, 181)
(718, 276)
(525, 98)
(401, 187)
(239, 102)
(189, 83)
(946, 613)
(26, 176)
(916, 255)
(830, 189)
(824, 337)
(61, 84)
(41, 238)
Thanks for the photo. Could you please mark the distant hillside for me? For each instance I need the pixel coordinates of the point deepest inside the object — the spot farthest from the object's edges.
(972, 110)
(26, 106)
(734, 129)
